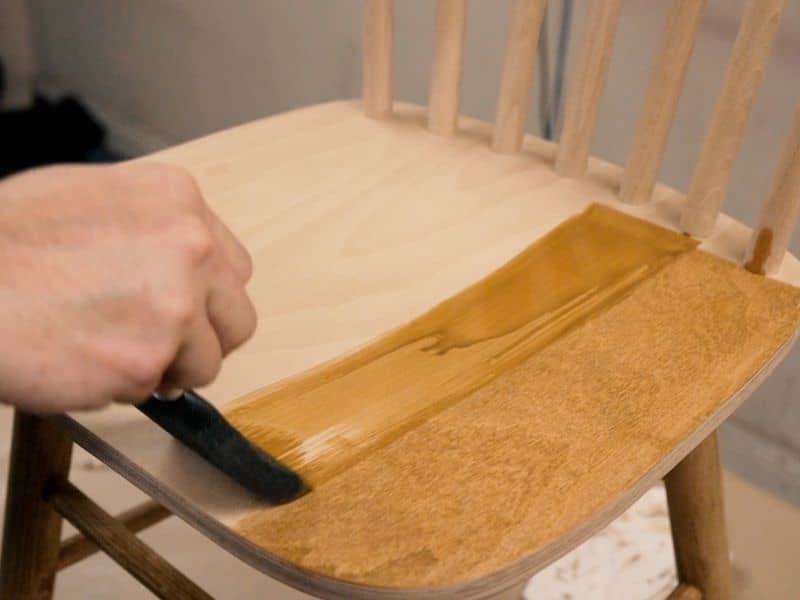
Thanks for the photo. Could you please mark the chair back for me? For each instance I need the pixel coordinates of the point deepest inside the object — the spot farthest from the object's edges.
(757, 32)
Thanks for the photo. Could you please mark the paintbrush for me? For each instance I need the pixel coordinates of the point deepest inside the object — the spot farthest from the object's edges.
(194, 422)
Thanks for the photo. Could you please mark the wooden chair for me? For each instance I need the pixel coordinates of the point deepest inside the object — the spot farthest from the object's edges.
(466, 449)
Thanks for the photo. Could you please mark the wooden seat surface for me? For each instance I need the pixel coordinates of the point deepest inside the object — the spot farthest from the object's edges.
(523, 435)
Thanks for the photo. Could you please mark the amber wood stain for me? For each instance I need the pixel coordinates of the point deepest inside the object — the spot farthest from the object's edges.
(761, 252)
(331, 418)
(498, 480)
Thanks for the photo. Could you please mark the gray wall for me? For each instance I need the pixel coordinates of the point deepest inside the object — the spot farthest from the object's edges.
(164, 71)
(16, 51)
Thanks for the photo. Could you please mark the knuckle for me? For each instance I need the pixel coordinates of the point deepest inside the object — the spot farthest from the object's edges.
(173, 182)
(182, 187)
(127, 365)
(145, 368)
(159, 183)
(196, 241)
(178, 310)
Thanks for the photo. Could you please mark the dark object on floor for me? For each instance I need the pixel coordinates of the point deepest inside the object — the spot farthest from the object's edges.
(47, 133)
(194, 422)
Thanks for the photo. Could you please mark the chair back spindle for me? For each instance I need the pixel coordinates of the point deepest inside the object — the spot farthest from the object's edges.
(586, 88)
(734, 105)
(663, 93)
(448, 60)
(377, 57)
(512, 105)
(780, 212)
(753, 46)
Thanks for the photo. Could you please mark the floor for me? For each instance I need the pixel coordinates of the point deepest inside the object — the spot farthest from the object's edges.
(630, 560)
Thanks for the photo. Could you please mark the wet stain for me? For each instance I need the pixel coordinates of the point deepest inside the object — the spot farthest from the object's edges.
(331, 418)
(520, 463)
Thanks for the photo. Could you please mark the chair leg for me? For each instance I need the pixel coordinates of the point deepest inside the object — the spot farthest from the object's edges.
(40, 452)
(694, 495)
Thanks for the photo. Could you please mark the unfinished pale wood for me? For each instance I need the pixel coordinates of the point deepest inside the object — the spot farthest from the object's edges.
(731, 114)
(448, 62)
(697, 519)
(512, 104)
(111, 536)
(586, 88)
(663, 94)
(32, 530)
(685, 592)
(78, 546)
(780, 212)
(377, 57)
(382, 254)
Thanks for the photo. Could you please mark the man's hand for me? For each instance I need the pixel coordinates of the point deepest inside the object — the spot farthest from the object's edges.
(114, 281)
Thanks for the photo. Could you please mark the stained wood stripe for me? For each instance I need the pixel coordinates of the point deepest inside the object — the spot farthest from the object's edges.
(327, 421)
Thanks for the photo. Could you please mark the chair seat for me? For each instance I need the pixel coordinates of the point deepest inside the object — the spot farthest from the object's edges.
(529, 404)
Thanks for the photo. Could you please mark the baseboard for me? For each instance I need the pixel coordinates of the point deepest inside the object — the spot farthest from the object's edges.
(761, 459)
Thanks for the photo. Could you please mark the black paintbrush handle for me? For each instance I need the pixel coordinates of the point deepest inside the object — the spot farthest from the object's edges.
(195, 422)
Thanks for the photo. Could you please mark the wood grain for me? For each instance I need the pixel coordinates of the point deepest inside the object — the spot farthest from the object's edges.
(697, 520)
(330, 419)
(111, 536)
(780, 212)
(360, 249)
(77, 547)
(514, 466)
(378, 69)
(731, 114)
(448, 59)
(586, 88)
(663, 93)
(512, 104)
(32, 529)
